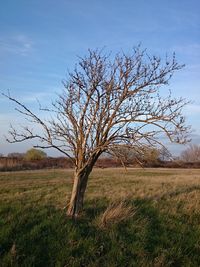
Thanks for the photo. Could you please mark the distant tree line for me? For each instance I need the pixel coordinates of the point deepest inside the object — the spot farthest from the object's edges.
(121, 156)
(191, 154)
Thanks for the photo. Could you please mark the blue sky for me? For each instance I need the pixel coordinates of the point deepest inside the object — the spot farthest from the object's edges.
(40, 41)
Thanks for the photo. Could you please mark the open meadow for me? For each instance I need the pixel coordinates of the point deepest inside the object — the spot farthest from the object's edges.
(163, 228)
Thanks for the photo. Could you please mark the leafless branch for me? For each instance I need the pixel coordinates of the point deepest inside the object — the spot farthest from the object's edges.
(107, 102)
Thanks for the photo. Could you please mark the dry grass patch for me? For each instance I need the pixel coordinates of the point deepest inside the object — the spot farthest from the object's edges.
(115, 213)
(159, 210)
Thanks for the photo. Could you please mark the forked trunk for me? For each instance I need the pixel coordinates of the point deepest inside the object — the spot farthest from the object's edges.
(78, 191)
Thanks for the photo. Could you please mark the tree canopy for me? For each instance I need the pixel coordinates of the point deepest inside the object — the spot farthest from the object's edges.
(108, 101)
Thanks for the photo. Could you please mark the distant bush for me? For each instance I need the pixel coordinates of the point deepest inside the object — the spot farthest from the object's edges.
(17, 164)
(35, 154)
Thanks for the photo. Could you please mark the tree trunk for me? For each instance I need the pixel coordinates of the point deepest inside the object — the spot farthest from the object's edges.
(78, 191)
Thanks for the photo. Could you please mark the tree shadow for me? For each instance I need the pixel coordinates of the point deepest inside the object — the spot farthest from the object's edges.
(177, 192)
(44, 236)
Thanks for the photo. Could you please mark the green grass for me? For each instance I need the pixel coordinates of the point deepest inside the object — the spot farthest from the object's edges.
(165, 231)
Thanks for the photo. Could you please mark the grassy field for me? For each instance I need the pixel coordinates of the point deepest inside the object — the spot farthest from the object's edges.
(164, 229)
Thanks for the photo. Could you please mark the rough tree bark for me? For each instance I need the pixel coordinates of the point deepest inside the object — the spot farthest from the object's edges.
(79, 186)
(78, 191)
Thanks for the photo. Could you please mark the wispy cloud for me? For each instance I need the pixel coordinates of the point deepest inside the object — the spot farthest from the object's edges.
(18, 44)
(192, 109)
(31, 97)
(191, 49)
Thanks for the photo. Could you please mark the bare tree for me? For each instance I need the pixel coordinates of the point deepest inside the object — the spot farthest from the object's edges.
(164, 154)
(16, 155)
(126, 154)
(129, 155)
(191, 154)
(106, 102)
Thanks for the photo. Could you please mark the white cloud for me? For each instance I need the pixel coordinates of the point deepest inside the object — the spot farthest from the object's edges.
(192, 109)
(18, 44)
(191, 49)
(31, 97)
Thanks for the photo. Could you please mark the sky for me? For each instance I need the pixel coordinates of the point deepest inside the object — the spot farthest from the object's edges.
(41, 40)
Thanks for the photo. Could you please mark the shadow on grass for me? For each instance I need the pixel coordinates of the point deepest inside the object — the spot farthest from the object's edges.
(44, 236)
(180, 191)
